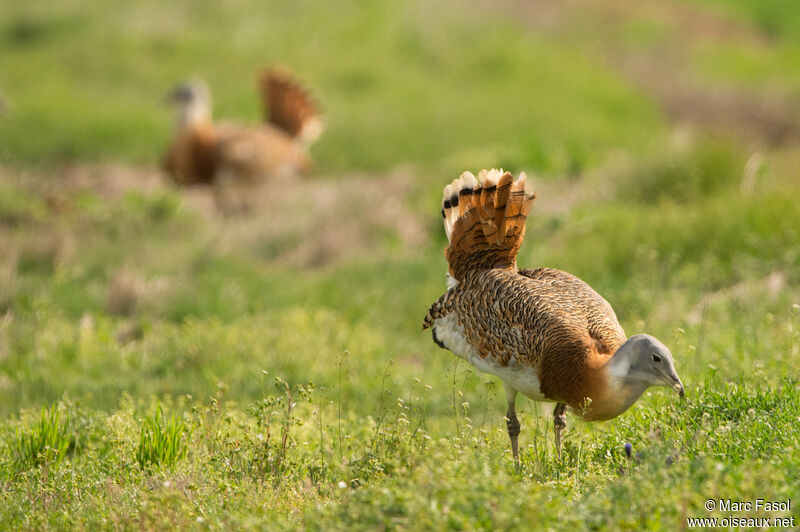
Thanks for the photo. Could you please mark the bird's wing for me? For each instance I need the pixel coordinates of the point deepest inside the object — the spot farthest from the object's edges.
(439, 308)
(484, 219)
(582, 301)
(257, 152)
(289, 106)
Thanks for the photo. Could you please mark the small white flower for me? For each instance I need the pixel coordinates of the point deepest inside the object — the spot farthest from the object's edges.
(342, 484)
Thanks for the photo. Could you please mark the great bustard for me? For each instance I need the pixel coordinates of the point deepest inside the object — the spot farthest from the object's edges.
(205, 152)
(544, 332)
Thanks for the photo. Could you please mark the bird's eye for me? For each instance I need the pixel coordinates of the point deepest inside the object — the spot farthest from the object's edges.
(656, 358)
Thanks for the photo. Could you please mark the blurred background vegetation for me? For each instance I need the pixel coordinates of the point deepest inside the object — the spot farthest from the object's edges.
(663, 138)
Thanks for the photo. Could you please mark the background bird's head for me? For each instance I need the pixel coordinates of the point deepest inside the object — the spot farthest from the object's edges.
(643, 360)
(192, 100)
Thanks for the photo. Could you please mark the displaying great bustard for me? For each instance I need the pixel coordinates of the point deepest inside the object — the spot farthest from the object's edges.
(544, 332)
(206, 152)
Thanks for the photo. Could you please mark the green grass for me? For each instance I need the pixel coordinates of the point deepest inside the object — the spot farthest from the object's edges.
(161, 442)
(46, 442)
(163, 368)
(75, 97)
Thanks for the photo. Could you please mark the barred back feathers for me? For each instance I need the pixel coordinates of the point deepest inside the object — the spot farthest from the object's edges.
(544, 332)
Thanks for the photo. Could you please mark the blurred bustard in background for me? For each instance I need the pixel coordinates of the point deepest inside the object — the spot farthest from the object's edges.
(225, 154)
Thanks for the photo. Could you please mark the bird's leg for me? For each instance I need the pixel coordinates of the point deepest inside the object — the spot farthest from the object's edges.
(512, 422)
(222, 198)
(230, 194)
(559, 424)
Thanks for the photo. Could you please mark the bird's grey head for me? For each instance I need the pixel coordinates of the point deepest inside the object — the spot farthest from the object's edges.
(644, 360)
(192, 100)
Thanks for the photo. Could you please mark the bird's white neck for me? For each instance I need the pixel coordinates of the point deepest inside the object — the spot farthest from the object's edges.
(192, 115)
(620, 383)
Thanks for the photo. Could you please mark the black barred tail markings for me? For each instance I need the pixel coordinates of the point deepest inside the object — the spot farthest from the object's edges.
(544, 332)
(484, 220)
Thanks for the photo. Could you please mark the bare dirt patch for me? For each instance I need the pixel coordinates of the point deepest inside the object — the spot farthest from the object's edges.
(311, 222)
(764, 115)
(315, 222)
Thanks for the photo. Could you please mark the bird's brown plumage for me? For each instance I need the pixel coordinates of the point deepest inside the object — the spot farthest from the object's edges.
(289, 106)
(202, 151)
(192, 158)
(485, 225)
(546, 320)
(251, 154)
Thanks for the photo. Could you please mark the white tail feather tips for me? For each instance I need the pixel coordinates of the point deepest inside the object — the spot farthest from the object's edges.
(447, 210)
(469, 180)
(455, 204)
(312, 129)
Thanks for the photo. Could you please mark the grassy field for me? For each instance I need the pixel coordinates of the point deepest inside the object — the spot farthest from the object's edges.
(162, 366)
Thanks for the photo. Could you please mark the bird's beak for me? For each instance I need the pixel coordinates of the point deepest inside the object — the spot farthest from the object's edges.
(173, 96)
(681, 392)
(674, 382)
(678, 386)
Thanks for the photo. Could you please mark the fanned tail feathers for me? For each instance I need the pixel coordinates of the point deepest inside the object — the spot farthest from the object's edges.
(291, 106)
(484, 219)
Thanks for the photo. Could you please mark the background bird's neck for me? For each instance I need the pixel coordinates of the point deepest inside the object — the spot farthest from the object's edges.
(194, 115)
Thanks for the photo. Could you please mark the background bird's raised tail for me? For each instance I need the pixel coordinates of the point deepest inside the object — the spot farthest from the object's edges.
(289, 106)
(484, 219)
